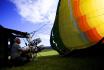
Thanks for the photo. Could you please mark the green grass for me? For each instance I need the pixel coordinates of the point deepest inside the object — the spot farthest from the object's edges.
(50, 60)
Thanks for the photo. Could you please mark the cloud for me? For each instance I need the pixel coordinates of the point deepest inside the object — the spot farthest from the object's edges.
(45, 39)
(44, 36)
(36, 11)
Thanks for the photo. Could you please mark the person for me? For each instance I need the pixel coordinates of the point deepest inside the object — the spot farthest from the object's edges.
(16, 52)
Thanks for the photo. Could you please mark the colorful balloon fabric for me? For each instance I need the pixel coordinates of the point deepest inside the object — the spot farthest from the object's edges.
(78, 24)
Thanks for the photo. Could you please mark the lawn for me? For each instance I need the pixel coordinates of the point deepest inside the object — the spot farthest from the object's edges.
(50, 60)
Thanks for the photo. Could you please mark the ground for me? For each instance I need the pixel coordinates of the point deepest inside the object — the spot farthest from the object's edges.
(50, 60)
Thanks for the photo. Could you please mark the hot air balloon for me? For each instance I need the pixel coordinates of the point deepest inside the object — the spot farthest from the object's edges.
(79, 24)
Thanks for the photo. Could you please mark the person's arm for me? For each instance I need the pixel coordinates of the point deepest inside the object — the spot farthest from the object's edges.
(23, 49)
(19, 48)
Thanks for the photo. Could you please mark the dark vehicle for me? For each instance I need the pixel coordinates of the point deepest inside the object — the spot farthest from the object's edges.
(7, 37)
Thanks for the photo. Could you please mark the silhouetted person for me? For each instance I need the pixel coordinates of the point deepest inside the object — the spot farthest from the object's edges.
(16, 52)
(5, 36)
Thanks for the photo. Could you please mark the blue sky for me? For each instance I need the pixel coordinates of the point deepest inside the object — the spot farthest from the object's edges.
(28, 16)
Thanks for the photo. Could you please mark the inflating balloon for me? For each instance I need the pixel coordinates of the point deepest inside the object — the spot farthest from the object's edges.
(79, 24)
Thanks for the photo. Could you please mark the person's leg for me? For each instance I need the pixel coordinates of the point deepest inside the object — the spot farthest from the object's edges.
(19, 61)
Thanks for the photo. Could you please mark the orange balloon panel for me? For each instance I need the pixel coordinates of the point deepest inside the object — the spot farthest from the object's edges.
(86, 13)
(79, 23)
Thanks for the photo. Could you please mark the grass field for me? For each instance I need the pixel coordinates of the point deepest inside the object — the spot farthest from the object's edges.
(50, 60)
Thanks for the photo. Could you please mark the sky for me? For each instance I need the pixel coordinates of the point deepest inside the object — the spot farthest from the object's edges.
(28, 16)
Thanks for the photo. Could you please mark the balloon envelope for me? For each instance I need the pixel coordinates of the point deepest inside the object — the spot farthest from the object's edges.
(79, 24)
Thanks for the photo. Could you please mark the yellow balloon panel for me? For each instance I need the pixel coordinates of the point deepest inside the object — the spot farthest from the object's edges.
(87, 17)
(69, 33)
(100, 30)
(81, 22)
(94, 11)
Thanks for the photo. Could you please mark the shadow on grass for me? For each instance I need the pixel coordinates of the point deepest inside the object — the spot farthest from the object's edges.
(73, 63)
(55, 62)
